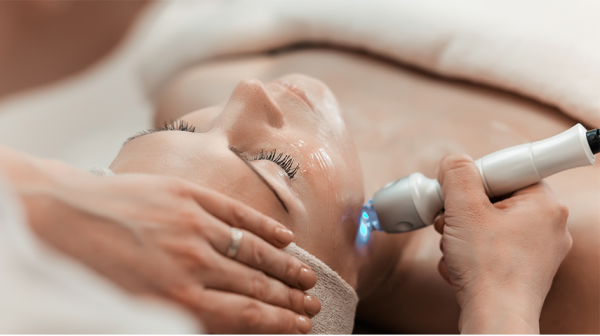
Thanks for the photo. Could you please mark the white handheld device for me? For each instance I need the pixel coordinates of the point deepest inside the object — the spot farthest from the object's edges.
(412, 202)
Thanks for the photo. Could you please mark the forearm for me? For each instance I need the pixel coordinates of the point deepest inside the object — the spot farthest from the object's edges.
(18, 167)
(26, 173)
(41, 185)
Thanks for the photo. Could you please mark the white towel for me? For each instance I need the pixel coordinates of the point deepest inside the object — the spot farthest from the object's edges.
(547, 50)
(101, 171)
(338, 298)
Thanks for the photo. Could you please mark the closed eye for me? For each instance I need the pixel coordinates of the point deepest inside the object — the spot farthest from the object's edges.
(262, 179)
(175, 125)
(285, 161)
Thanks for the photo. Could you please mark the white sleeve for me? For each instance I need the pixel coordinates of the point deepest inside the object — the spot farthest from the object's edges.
(43, 291)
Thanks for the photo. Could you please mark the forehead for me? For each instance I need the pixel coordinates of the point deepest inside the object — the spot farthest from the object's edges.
(204, 159)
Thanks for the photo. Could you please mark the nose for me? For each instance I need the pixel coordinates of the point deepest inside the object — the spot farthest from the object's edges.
(250, 104)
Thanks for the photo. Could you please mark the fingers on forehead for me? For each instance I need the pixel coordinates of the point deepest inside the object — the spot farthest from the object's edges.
(252, 283)
(237, 214)
(257, 253)
(260, 255)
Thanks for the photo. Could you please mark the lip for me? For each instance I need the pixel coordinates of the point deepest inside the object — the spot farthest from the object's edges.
(295, 90)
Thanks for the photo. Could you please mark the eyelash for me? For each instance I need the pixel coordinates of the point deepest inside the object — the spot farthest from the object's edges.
(177, 125)
(286, 162)
(174, 125)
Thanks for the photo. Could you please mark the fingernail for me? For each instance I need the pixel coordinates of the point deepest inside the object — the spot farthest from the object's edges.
(312, 305)
(307, 278)
(284, 236)
(304, 324)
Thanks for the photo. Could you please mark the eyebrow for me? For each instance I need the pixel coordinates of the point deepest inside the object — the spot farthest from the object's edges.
(247, 162)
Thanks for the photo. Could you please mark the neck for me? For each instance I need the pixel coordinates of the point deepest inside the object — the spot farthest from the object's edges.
(376, 268)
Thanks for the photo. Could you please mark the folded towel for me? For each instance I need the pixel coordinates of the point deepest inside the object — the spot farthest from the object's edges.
(338, 298)
(547, 50)
(101, 171)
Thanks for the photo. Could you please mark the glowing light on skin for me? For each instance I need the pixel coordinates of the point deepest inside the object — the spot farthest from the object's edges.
(367, 223)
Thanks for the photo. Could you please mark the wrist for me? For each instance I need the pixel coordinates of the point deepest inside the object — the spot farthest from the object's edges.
(500, 313)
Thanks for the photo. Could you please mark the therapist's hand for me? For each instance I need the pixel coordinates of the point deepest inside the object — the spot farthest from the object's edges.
(167, 238)
(500, 258)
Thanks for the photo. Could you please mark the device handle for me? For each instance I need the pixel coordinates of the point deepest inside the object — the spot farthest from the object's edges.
(516, 167)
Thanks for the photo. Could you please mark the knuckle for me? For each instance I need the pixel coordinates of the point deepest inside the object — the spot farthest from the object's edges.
(287, 322)
(259, 286)
(175, 185)
(197, 223)
(262, 222)
(295, 299)
(187, 215)
(203, 260)
(559, 211)
(563, 212)
(258, 255)
(292, 269)
(251, 315)
(240, 214)
(455, 161)
(569, 243)
(187, 294)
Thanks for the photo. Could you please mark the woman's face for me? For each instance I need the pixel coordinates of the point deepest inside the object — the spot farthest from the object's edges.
(280, 147)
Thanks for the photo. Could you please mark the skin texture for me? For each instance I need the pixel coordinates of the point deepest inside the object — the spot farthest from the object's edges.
(42, 29)
(324, 196)
(403, 121)
(149, 234)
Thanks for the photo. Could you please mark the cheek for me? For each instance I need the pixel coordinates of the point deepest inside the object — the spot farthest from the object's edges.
(321, 190)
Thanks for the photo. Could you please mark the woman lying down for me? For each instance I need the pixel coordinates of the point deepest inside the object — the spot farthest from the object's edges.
(283, 148)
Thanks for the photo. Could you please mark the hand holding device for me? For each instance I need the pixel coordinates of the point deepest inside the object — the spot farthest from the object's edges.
(500, 258)
(412, 202)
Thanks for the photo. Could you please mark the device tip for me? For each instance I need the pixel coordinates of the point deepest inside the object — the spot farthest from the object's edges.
(593, 138)
(367, 223)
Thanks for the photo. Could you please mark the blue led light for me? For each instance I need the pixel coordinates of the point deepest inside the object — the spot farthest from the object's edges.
(363, 230)
(368, 222)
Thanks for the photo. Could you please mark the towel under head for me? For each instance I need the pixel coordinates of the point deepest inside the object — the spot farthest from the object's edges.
(338, 298)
